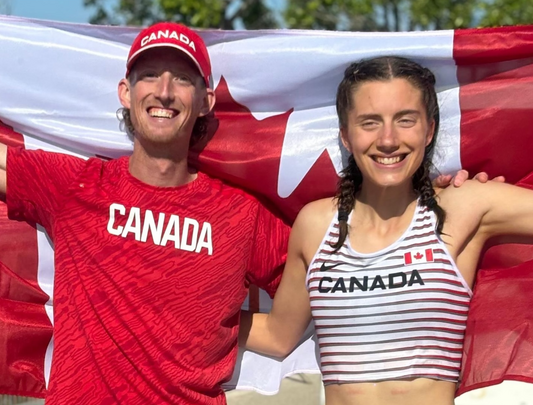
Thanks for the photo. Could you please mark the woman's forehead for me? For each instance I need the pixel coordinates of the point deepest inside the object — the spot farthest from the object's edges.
(396, 92)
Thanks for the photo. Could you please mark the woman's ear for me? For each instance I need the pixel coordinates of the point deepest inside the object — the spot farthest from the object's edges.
(431, 132)
(344, 139)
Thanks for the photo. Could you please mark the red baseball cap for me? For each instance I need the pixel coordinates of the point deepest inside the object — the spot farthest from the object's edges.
(176, 36)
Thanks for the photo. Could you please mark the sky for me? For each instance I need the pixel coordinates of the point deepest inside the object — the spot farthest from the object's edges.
(59, 10)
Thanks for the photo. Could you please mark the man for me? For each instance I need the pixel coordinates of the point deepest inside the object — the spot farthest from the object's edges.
(153, 260)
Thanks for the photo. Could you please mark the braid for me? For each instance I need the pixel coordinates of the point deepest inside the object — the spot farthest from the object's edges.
(349, 184)
(424, 189)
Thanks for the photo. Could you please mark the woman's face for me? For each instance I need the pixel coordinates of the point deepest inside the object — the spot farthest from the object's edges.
(387, 131)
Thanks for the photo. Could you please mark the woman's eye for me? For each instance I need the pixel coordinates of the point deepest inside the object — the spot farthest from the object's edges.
(407, 121)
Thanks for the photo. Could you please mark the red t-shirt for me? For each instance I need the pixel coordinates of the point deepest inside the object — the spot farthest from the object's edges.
(149, 281)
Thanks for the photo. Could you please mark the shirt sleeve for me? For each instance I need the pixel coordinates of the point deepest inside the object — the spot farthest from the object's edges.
(37, 182)
(271, 238)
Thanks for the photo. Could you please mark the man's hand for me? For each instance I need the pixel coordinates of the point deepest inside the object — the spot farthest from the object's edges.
(445, 180)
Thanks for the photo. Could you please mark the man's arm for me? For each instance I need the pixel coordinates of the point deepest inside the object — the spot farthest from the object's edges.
(3, 155)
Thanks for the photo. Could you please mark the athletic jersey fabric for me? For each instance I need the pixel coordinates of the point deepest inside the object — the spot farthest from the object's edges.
(398, 313)
(149, 281)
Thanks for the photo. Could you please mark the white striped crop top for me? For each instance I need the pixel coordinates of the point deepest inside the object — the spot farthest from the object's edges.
(399, 313)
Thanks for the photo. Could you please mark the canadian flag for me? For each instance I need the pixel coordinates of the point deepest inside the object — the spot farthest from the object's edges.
(275, 133)
(418, 256)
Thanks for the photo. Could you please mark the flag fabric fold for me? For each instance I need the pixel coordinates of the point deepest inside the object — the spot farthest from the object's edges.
(274, 132)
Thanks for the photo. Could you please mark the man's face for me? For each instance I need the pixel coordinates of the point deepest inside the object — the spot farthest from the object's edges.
(165, 94)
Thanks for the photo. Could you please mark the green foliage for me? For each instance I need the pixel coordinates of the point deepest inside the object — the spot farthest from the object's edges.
(5, 7)
(402, 15)
(225, 14)
(125, 12)
(353, 15)
(380, 15)
(507, 12)
(442, 14)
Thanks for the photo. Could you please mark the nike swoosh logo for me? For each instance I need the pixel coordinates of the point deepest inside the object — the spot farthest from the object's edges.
(326, 268)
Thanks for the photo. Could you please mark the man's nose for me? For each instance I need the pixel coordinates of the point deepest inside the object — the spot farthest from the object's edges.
(164, 87)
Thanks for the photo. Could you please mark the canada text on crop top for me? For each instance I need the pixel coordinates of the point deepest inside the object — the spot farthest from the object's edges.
(399, 313)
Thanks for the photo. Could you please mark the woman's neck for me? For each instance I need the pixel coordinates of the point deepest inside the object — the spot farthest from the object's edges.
(384, 204)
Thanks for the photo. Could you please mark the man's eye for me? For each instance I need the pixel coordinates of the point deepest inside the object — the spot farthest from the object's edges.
(149, 75)
(183, 78)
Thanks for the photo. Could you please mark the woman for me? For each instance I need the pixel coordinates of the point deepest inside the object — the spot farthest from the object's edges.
(386, 268)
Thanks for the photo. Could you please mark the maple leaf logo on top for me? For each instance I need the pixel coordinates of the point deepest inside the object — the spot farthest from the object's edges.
(246, 152)
(418, 256)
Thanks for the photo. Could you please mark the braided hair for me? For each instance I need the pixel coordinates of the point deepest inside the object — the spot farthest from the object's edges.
(386, 68)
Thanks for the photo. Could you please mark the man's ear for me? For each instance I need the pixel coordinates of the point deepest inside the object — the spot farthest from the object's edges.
(208, 102)
(124, 93)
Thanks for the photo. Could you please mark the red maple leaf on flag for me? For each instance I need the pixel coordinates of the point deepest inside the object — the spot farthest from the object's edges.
(246, 152)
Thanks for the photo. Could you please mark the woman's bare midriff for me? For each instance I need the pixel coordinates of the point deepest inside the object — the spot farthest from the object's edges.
(421, 391)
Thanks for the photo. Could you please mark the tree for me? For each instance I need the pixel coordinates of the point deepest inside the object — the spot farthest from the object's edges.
(225, 14)
(124, 12)
(507, 12)
(443, 14)
(402, 15)
(353, 15)
(380, 15)
(5, 7)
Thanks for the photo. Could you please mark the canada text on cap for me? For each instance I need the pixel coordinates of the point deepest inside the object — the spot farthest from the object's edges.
(176, 36)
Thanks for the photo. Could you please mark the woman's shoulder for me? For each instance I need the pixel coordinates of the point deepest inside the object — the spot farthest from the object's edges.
(311, 225)
(316, 215)
(325, 207)
(469, 191)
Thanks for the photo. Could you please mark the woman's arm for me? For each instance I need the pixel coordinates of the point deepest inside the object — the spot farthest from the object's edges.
(509, 210)
(490, 209)
(277, 333)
